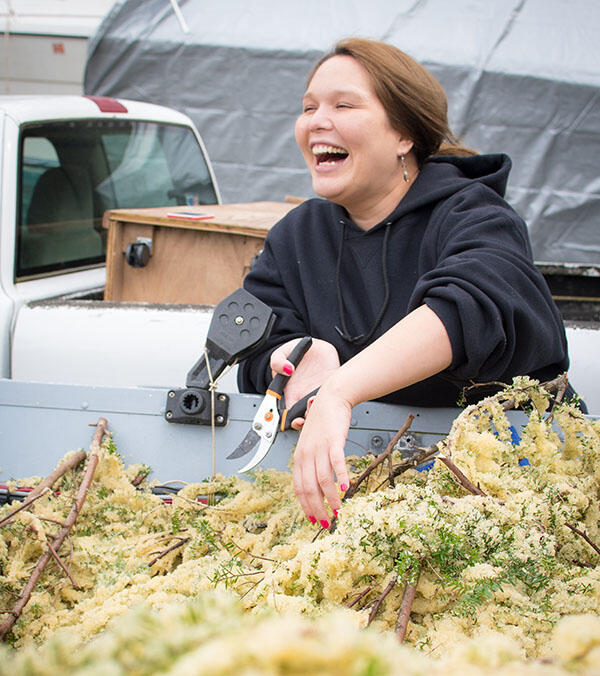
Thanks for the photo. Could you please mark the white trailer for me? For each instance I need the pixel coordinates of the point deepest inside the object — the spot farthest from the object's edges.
(45, 43)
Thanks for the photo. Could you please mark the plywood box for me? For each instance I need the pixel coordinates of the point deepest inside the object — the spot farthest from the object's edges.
(192, 261)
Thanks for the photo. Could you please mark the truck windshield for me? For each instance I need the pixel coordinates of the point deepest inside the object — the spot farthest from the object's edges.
(72, 172)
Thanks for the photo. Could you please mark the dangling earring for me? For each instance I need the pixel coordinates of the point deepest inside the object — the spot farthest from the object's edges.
(406, 178)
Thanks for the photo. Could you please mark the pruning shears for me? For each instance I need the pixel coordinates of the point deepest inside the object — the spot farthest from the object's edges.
(272, 415)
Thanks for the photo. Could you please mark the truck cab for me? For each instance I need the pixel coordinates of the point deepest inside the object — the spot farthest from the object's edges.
(65, 161)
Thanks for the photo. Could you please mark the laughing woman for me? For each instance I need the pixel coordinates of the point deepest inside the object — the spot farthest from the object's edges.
(412, 274)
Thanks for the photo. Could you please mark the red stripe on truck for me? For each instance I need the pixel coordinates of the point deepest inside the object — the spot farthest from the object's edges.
(108, 104)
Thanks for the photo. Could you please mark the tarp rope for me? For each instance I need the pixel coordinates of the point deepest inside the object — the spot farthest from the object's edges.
(212, 388)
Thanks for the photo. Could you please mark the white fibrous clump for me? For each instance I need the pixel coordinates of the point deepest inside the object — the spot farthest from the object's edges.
(503, 565)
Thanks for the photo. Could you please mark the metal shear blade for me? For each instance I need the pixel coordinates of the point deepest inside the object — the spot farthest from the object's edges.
(264, 431)
(263, 448)
(247, 445)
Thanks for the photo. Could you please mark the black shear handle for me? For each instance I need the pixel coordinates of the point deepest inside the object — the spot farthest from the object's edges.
(298, 410)
(295, 356)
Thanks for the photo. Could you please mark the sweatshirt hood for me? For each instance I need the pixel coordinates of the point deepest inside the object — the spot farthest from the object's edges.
(445, 175)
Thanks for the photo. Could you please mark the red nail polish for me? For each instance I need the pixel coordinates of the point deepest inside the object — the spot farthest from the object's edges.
(288, 370)
(324, 524)
(335, 513)
(343, 487)
(312, 520)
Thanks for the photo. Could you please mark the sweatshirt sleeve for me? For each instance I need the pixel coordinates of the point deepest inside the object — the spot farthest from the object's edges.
(265, 282)
(484, 287)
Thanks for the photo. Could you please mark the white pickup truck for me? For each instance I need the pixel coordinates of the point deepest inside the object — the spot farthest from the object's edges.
(67, 356)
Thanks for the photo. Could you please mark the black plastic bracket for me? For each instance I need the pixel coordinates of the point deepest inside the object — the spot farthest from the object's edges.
(192, 406)
(240, 324)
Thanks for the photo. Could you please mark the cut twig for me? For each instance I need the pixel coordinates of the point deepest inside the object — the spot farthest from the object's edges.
(254, 556)
(139, 478)
(558, 384)
(391, 471)
(585, 536)
(423, 456)
(62, 534)
(408, 597)
(560, 393)
(463, 480)
(48, 520)
(46, 484)
(359, 598)
(584, 564)
(58, 560)
(380, 600)
(23, 506)
(254, 585)
(354, 485)
(168, 550)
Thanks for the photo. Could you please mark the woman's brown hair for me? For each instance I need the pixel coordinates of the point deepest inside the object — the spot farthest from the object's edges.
(413, 99)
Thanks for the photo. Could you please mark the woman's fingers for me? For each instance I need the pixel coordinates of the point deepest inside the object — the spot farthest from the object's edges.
(279, 358)
(338, 462)
(315, 486)
(298, 423)
(319, 457)
(326, 481)
(307, 491)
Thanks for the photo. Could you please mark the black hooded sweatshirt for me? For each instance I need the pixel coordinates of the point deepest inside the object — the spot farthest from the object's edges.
(452, 243)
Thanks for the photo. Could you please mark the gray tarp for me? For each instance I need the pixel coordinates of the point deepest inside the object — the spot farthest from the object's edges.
(521, 76)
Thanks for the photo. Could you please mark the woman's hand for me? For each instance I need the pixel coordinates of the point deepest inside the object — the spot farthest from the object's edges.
(318, 363)
(319, 455)
(413, 349)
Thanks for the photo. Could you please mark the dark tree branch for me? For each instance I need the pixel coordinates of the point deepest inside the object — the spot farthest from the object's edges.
(58, 560)
(354, 485)
(44, 486)
(359, 597)
(380, 600)
(585, 536)
(408, 596)
(166, 551)
(463, 480)
(62, 534)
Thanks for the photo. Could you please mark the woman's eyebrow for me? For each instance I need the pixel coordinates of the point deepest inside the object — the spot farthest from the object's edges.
(336, 92)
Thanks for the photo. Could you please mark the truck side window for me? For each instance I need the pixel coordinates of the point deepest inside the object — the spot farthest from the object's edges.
(72, 171)
(38, 155)
(56, 229)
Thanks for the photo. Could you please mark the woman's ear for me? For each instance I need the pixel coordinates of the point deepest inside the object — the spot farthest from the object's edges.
(405, 145)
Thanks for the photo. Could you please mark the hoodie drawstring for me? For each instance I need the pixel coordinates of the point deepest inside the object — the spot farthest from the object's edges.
(360, 339)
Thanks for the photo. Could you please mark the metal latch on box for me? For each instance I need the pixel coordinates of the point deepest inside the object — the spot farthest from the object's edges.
(240, 324)
(138, 253)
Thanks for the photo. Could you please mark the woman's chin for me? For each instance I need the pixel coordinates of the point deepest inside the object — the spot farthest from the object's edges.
(328, 189)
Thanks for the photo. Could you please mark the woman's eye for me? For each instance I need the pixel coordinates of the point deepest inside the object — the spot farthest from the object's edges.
(343, 105)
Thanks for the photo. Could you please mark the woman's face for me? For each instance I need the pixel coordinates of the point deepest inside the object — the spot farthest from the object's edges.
(347, 141)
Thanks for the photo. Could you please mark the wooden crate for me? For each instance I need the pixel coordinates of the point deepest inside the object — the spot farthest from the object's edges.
(197, 262)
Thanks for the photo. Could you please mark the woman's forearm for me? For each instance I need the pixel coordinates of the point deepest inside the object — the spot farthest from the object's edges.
(415, 348)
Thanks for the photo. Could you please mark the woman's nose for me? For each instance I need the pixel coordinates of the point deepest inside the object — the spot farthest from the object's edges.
(320, 119)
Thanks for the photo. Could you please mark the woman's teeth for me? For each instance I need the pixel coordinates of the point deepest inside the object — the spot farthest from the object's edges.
(329, 154)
